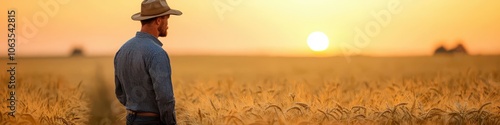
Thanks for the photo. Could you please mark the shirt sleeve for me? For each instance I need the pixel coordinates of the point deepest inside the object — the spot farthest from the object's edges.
(160, 73)
(122, 97)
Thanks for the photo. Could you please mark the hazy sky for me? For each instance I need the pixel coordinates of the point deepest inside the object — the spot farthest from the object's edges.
(259, 27)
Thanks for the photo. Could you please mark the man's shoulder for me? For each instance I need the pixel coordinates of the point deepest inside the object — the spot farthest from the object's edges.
(144, 47)
(142, 43)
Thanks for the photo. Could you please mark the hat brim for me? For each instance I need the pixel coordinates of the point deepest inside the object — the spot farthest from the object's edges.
(138, 17)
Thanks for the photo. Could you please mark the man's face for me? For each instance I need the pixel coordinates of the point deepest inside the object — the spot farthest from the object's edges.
(162, 28)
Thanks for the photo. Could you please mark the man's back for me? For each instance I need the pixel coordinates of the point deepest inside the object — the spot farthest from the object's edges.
(143, 77)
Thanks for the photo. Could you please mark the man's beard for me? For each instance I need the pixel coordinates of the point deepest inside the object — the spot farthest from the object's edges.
(163, 32)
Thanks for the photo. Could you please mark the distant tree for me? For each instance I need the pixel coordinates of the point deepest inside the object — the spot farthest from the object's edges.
(440, 50)
(77, 51)
(459, 49)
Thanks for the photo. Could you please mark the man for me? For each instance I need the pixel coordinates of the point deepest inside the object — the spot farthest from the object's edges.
(142, 69)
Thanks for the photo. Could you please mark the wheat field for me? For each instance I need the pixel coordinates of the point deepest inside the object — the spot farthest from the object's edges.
(270, 90)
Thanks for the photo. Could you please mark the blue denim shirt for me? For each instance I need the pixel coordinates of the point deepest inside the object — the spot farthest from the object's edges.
(143, 77)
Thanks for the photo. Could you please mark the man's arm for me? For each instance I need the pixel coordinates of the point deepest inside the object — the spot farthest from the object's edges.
(119, 88)
(162, 83)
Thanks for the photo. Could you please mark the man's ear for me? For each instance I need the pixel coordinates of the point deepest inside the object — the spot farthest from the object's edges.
(157, 21)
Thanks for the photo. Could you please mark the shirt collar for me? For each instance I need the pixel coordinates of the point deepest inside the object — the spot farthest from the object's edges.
(149, 36)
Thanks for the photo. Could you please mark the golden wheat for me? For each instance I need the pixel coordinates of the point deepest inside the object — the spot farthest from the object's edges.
(262, 91)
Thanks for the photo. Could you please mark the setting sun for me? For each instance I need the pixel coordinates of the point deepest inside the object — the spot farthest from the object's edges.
(317, 41)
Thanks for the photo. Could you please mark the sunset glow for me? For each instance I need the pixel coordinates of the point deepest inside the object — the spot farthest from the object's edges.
(261, 27)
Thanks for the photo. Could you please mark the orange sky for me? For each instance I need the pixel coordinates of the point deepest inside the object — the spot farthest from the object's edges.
(258, 27)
